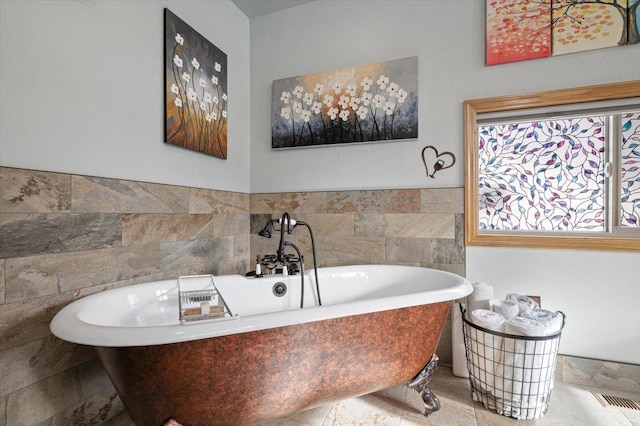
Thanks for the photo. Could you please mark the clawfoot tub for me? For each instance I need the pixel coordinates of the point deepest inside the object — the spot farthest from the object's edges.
(378, 327)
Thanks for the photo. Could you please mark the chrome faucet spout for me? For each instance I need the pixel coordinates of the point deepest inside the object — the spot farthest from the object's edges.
(285, 219)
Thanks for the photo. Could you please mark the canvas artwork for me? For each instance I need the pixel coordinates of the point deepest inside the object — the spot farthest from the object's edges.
(366, 103)
(518, 30)
(196, 95)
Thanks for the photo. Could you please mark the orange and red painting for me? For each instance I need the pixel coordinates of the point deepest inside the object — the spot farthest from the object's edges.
(518, 30)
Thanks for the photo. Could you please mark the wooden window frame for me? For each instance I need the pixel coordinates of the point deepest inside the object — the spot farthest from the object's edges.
(473, 235)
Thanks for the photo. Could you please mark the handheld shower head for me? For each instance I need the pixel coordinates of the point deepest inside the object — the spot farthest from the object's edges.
(266, 229)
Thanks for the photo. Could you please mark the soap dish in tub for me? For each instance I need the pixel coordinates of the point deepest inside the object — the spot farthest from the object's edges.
(199, 300)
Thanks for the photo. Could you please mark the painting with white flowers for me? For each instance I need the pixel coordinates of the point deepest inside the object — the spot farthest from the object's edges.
(365, 103)
(195, 89)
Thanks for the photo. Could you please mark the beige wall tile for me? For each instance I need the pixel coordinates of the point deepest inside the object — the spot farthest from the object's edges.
(103, 195)
(293, 202)
(241, 245)
(174, 197)
(231, 224)
(382, 201)
(24, 365)
(158, 228)
(201, 255)
(30, 234)
(420, 225)
(327, 224)
(26, 321)
(442, 200)
(31, 191)
(213, 201)
(234, 265)
(408, 249)
(370, 225)
(446, 251)
(333, 251)
(40, 401)
(36, 276)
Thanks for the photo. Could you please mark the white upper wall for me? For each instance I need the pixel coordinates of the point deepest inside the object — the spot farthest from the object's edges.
(448, 38)
(82, 89)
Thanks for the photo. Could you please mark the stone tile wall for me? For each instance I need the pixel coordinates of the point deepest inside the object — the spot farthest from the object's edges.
(66, 236)
(423, 227)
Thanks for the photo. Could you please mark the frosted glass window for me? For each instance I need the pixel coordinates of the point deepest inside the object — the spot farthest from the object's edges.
(546, 175)
(630, 170)
(558, 169)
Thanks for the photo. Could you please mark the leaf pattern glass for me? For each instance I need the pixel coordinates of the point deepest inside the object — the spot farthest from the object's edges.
(630, 170)
(543, 175)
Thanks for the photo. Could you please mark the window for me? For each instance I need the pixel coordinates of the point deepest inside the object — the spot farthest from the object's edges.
(558, 169)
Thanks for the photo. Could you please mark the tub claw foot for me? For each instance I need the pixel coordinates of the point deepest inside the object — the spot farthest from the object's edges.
(421, 384)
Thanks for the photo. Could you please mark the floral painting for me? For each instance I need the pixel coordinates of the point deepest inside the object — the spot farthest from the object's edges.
(195, 90)
(366, 103)
(518, 30)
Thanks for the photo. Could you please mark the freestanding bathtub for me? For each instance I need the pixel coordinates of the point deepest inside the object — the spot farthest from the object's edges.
(378, 326)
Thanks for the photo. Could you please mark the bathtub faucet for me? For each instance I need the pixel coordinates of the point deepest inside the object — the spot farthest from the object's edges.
(288, 262)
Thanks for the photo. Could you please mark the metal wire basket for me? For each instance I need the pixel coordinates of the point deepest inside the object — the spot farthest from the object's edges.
(511, 374)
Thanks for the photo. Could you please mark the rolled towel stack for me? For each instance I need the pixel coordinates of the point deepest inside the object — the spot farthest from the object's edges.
(480, 296)
(509, 309)
(511, 373)
(552, 321)
(525, 303)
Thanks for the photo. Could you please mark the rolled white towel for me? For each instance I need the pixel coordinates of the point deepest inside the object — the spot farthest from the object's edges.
(488, 319)
(485, 348)
(523, 377)
(479, 297)
(507, 308)
(521, 326)
(552, 321)
(525, 303)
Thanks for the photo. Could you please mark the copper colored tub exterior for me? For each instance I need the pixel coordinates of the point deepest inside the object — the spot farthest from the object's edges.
(247, 378)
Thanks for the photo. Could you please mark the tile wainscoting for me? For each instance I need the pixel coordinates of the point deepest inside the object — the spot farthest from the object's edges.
(65, 236)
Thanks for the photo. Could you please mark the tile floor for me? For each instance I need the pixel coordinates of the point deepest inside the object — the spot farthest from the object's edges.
(400, 406)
